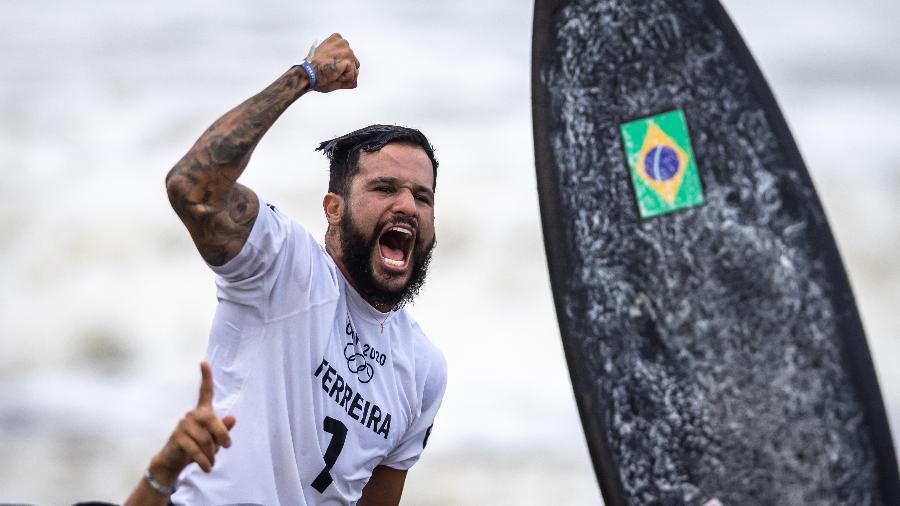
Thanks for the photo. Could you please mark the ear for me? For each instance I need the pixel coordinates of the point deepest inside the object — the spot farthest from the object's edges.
(333, 204)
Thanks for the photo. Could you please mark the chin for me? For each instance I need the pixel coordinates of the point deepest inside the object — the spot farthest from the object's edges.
(389, 281)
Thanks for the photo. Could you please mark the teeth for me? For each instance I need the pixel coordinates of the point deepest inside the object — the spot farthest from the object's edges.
(401, 230)
(393, 263)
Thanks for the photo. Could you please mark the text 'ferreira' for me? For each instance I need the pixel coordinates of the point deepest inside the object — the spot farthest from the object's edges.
(368, 414)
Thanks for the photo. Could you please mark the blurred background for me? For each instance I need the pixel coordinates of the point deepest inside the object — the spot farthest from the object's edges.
(105, 305)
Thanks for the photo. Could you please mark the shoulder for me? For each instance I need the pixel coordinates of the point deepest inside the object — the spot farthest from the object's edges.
(281, 269)
(291, 237)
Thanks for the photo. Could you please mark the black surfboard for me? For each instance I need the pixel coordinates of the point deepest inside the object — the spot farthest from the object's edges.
(713, 342)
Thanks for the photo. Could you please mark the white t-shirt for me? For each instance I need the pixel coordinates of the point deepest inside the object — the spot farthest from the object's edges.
(321, 395)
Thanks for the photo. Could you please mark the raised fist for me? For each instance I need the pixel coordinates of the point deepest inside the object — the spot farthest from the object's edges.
(335, 64)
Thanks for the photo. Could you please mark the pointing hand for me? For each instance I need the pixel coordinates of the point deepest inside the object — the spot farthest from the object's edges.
(196, 438)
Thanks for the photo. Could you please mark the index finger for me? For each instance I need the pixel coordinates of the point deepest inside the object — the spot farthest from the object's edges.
(206, 386)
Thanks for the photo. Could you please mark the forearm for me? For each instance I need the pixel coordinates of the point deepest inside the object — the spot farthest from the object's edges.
(384, 488)
(217, 211)
(201, 181)
(202, 187)
(144, 495)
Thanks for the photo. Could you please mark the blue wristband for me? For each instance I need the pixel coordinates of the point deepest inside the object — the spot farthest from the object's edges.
(311, 73)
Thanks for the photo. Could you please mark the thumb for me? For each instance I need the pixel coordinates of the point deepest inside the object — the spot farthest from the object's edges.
(229, 421)
(206, 386)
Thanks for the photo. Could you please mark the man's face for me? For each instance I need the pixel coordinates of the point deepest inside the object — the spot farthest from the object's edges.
(387, 226)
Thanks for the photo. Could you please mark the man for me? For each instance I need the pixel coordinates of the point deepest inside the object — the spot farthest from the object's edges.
(326, 389)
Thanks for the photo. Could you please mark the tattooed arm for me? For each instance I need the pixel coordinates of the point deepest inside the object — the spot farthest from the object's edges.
(217, 211)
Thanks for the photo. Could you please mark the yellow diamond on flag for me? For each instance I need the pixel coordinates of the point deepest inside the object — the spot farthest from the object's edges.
(661, 163)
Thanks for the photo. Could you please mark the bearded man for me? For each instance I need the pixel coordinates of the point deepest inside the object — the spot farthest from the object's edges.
(334, 385)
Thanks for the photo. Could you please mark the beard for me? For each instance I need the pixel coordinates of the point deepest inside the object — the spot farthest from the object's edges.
(356, 251)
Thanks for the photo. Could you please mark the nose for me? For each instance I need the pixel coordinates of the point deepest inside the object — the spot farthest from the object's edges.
(405, 203)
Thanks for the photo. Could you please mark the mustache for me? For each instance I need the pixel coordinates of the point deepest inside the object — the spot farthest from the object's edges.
(356, 249)
(399, 219)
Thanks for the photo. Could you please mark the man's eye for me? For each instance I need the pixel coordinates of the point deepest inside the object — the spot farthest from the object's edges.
(384, 189)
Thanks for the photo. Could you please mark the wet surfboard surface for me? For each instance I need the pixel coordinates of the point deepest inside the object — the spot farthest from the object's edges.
(713, 342)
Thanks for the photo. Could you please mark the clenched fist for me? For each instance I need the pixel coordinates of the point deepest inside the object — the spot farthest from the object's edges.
(335, 64)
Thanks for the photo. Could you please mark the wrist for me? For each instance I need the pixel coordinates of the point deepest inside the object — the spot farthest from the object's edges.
(162, 473)
(311, 76)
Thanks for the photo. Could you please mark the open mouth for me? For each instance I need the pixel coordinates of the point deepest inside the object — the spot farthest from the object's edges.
(395, 246)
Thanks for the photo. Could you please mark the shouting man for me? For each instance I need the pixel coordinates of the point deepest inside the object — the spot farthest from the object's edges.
(325, 387)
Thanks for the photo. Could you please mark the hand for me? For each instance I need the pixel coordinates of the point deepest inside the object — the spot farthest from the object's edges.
(196, 438)
(335, 64)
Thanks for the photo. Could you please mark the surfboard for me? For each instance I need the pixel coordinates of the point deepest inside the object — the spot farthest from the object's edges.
(713, 342)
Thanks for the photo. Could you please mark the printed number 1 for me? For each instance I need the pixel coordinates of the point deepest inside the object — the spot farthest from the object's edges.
(338, 433)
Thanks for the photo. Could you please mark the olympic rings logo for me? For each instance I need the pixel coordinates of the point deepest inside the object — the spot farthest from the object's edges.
(356, 361)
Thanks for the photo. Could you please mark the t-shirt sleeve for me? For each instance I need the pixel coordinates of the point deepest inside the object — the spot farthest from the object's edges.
(249, 277)
(416, 437)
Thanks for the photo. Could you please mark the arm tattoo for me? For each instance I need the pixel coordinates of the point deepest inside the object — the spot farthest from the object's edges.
(217, 211)
(225, 233)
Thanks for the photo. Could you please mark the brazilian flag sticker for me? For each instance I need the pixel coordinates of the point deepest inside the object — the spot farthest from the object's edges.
(662, 165)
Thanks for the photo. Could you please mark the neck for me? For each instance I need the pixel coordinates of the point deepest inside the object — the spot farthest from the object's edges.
(382, 307)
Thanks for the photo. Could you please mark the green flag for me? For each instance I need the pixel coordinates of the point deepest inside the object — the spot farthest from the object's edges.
(663, 171)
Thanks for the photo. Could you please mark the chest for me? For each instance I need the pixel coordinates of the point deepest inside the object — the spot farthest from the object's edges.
(361, 383)
(363, 393)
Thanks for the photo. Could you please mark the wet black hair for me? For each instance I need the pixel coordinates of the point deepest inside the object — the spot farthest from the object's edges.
(343, 151)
